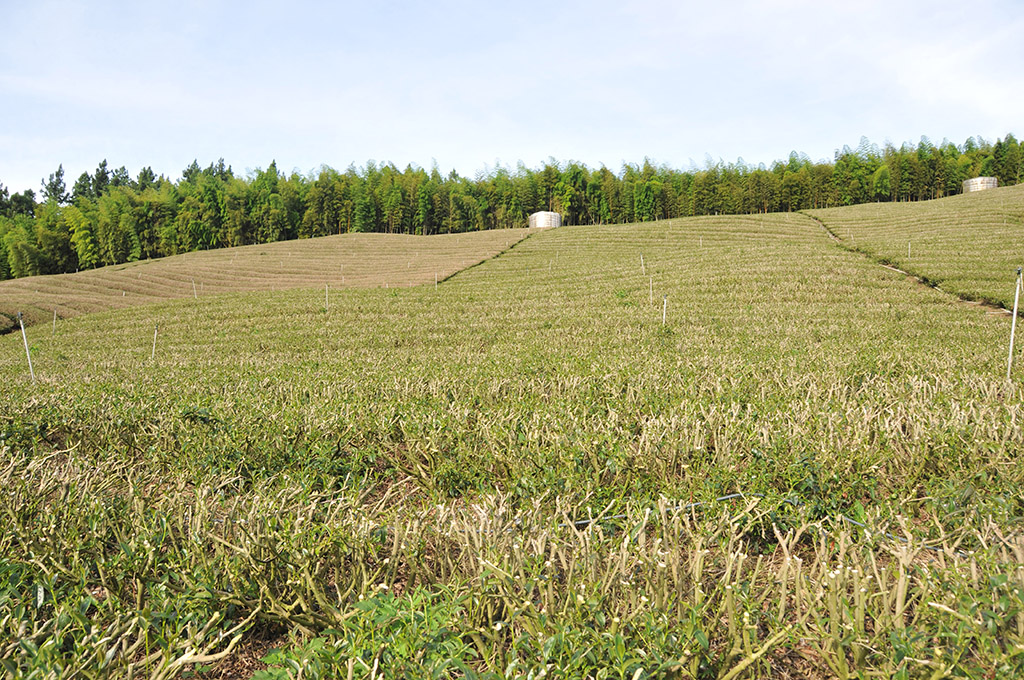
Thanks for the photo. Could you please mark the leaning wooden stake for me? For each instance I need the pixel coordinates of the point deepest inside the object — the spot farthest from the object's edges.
(152, 354)
(1013, 325)
(54, 322)
(664, 310)
(194, 293)
(27, 353)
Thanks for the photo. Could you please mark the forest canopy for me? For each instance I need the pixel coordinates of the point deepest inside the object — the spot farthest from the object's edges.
(109, 217)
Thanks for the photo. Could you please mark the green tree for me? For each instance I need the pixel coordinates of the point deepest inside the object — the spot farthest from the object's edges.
(424, 217)
(598, 209)
(82, 190)
(6, 224)
(115, 234)
(236, 219)
(80, 219)
(55, 254)
(188, 225)
(881, 185)
(154, 217)
(366, 211)
(394, 204)
(219, 171)
(323, 213)
(54, 189)
(193, 171)
(100, 179)
(121, 178)
(569, 193)
(264, 193)
(1006, 161)
(146, 178)
(23, 204)
(21, 251)
(643, 200)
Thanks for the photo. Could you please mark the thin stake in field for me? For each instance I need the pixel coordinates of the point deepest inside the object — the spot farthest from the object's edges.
(54, 322)
(1013, 325)
(152, 355)
(664, 310)
(27, 353)
(194, 293)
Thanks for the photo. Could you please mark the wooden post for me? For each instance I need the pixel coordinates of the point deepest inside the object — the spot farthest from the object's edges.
(27, 353)
(194, 294)
(1013, 325)
(54, 322)
(664, 310)
(152, 355)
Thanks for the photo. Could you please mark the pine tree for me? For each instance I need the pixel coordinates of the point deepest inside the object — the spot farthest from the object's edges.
(100, 180)
(83, 188)
(54, 189)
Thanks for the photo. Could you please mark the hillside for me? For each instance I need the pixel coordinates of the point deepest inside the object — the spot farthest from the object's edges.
(350, 260)
(969, 245)
(706, 447)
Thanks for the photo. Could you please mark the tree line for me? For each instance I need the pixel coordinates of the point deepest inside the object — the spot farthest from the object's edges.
(109, 217)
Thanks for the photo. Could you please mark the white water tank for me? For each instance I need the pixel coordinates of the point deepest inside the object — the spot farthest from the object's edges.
(980, 184)
(545, 219)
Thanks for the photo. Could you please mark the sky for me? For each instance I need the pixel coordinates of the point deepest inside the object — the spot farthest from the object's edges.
(470, 86)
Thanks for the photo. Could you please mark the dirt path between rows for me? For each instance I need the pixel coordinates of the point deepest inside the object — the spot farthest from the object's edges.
(992, 308)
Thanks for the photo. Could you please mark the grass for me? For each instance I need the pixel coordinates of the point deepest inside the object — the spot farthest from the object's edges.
(515, 474)
(970, 245)
(350, 260)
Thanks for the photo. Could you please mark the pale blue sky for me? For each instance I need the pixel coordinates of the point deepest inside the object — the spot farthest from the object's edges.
(470, 85)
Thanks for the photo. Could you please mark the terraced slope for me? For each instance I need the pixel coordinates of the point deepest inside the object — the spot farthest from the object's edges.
(424, 464)
(351, 260)
(970, 245)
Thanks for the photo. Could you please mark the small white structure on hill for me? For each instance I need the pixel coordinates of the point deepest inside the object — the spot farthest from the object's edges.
(545, 218)
(980, 184)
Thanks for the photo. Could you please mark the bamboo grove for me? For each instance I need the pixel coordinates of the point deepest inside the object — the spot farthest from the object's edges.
(109, 217)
